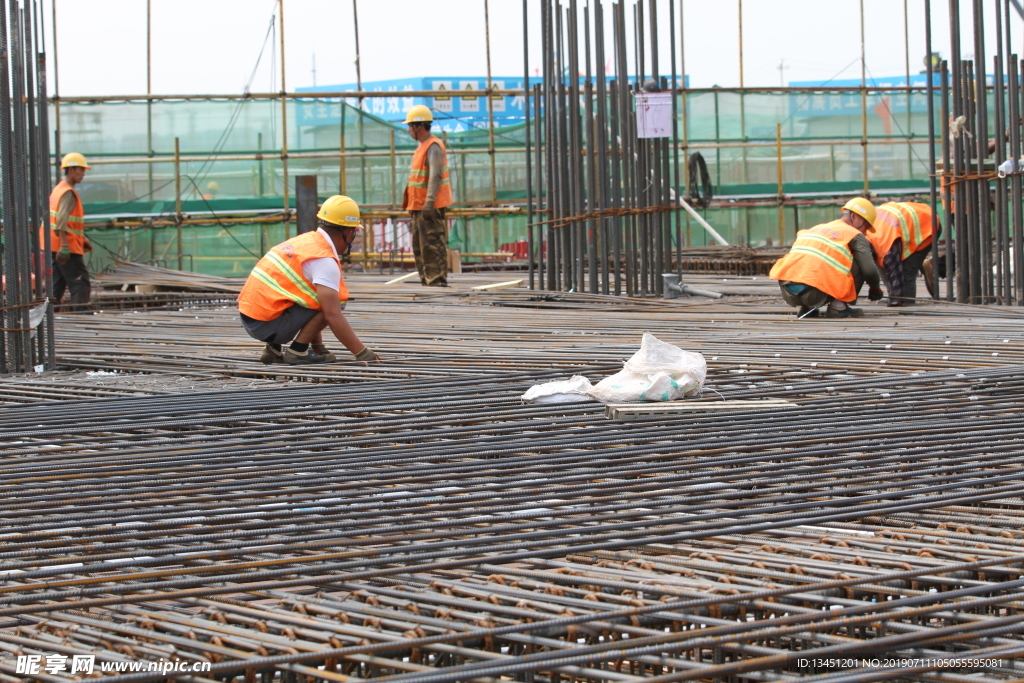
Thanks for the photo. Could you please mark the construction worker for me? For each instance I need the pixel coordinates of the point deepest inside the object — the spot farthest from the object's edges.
(297, 290)
(68, 242)
(427, 194)
(828, 264)
(212, 189)
(902, 238)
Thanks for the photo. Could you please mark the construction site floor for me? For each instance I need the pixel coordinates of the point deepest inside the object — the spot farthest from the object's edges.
(167, 496)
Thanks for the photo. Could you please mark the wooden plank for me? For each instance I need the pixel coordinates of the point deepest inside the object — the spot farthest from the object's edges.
(497, 285)
(647, 411)
(407, 276)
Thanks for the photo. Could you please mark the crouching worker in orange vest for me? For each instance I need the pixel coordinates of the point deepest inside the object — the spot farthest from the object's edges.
(902, 239)
(297, 290)
(829, 263)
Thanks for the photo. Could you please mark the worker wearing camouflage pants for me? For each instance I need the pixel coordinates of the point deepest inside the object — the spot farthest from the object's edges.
(426, 196)
(430, 247)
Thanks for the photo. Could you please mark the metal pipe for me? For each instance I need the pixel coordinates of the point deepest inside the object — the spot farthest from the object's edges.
(864, 102)
(177, 200)
(284, 129)
(984, 271)
(539, 107)
(1016, 198)
(56, 95)
(394, 171)
(779, 180)
(45, 258)
(676, 185)
(490, 125)
(947, 194)
(526, 133)
(149, 89)
(601, 150)
(932, 185)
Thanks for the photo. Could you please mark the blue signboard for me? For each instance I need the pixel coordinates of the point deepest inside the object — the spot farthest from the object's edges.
(849, 103)
(465, 108)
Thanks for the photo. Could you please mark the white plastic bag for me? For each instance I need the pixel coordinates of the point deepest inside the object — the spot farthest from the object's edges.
(36, 314)
(657, 372)
(565, 391)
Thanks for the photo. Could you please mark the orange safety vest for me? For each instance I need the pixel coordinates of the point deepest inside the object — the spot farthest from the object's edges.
(416, 189)
(76, 221)
(277, 282)
(909, 221)
(821, 258)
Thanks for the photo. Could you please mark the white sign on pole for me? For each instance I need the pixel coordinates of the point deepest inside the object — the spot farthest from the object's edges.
(470, 102)
(498, 101)
(653, 114)
(442, 103)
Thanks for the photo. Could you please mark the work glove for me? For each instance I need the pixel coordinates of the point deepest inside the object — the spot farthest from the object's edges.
(875, 293)
(87, 246)
(367, 356)
(63, 257)
(430, 213)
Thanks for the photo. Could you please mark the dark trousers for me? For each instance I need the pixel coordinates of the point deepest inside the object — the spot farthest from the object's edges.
(911, 267)
(72, 276)
(893, 266)
(430, 247)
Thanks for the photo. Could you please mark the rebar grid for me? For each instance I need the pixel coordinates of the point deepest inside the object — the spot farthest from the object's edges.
(374, 525)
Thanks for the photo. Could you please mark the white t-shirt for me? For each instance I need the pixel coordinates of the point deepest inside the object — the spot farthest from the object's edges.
(323, 271)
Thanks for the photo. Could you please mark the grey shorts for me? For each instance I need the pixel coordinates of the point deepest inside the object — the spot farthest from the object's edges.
(280, 330)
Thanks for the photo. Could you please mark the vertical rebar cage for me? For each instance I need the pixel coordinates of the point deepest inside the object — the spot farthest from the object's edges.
(26, 340)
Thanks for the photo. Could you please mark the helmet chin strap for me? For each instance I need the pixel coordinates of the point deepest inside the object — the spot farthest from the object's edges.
(349, 242)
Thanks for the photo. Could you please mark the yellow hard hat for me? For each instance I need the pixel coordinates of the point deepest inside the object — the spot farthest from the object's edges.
(340, 210)
(419, 114)
(74, 160)
(863, 208)
(213, 186)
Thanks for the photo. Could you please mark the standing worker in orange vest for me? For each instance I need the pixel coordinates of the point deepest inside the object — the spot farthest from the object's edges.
(902, 239)
(427, 194)
(67, 233)
(297, 290)
(828, 264)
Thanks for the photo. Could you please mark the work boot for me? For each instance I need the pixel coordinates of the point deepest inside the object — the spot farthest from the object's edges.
(271, 355)
(807, 312)
(928, 268)
(848, 312)
(894, 303)
(322, 350)
(292, 357)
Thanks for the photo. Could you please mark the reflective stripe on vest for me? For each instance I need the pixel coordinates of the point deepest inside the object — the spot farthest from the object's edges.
(419, 177)
(76, 221)
(821, 258)
(884, 233)
(277, 282)
(915, 224)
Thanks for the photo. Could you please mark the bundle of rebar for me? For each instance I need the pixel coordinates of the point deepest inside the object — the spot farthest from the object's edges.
(608, 193)
(26, 337)
(980, 201)
(135, 274)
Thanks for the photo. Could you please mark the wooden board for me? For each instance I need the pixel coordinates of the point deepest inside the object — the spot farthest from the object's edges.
(647, 411)
(454, 261)
(403, 278)
(497, 285)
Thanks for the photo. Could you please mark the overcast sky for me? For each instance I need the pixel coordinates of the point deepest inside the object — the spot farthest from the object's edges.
(212, 46)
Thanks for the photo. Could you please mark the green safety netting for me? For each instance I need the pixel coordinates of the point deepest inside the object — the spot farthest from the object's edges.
(821, 149)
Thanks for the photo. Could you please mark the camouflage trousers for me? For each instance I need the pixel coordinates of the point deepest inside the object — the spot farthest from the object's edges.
(430, 247)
